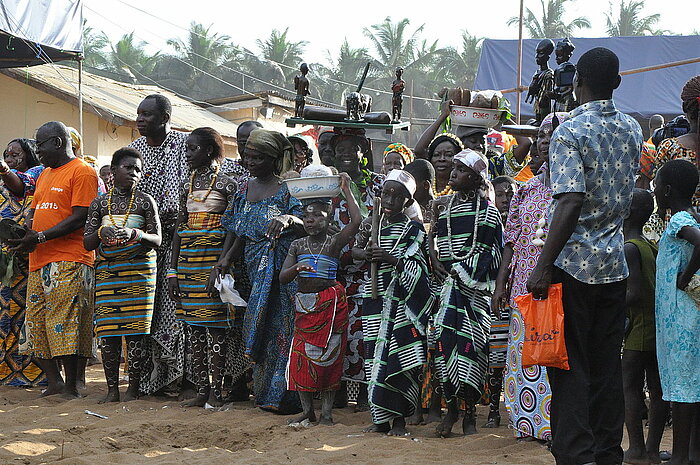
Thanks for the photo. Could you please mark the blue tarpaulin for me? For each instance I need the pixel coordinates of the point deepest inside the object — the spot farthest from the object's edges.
(640, 95)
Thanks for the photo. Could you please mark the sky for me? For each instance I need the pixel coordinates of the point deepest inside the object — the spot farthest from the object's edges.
(326, 23)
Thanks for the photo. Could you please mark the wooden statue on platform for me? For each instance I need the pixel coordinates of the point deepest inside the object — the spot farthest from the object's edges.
(397, 87)
(542, 84)
(301, 85)
(563, 93)
(358, 104)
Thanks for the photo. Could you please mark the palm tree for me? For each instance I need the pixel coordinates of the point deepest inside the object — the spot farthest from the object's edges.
(204, 50)
(127, 55)
(458, 67)
(278, 49)
(267, 70)
(394, 46)
(346, 69)
(629, 21)
(551, 24)
(94, 45)
(200, 63)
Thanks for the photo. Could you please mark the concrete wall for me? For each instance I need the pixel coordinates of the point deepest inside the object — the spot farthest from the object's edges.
(23, 109)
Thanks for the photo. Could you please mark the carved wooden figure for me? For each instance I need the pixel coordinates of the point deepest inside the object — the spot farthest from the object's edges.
(397, 87)
(542, 83)
(301, 85)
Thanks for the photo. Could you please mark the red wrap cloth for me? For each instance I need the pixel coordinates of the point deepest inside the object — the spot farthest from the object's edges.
(318, 344)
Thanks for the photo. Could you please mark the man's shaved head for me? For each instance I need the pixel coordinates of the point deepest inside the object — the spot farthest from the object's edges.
(656, 121)
(53, 144)
(54, 128)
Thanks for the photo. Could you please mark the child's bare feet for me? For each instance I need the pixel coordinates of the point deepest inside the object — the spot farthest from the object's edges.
(215, 400)
(327, 401)
(199, 401)
(380, 428)
(434, 409)
(132, 393)
(469, 424)
(444, 429)
(398, 428)
(112, 396)
(310, 416)
(239, 392)
(494, 420)
(53, 390)
(70, 393)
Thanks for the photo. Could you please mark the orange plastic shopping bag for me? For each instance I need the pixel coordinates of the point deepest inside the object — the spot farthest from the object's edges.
(544, 343)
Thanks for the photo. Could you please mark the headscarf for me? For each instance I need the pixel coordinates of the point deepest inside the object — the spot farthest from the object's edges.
(444, 137)
(690, 97)
(478, 163)
(402, 150)
(549, 119)
(76, 140)
(404, 178)
(275, 145)
(90, 160)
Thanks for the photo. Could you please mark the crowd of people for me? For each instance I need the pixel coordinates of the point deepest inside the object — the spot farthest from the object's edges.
(409, 310)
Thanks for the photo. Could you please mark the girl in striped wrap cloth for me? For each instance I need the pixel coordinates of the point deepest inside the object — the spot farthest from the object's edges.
(394, 323)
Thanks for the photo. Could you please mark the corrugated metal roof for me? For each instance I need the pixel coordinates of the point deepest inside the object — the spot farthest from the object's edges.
(116, 101)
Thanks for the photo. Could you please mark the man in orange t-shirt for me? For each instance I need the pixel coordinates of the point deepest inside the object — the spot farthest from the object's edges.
(60, 288)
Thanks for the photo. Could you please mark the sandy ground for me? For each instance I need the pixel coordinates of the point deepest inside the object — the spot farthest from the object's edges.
(152, 431)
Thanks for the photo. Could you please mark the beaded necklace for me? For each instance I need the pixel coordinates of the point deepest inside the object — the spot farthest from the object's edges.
(211, 185)
(472, 249)
(446, 191)
(128, 209)
(320, 251)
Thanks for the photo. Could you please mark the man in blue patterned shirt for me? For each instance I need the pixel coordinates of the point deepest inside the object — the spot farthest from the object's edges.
(594, 158)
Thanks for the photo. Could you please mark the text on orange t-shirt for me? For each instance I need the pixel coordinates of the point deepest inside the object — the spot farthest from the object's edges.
(58, 190)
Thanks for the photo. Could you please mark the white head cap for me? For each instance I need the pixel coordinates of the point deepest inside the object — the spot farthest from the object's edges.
(403, 177)
(475, 161)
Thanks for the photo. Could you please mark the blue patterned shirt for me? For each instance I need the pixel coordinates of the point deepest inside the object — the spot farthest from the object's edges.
(596, 152)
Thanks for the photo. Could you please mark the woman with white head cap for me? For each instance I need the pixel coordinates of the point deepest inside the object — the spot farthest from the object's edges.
(394, 323)
(468, 239)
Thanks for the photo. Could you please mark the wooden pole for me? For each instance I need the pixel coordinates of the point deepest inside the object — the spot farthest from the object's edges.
(518, 95)
(663, 66)
(376, 215)
(80, 104)
(672, 64)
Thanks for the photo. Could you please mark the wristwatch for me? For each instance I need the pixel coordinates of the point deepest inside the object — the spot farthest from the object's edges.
(40, 237)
